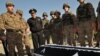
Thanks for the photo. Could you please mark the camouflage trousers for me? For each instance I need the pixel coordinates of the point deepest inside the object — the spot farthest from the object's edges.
(14, 39)
(69, 38)
(85, 28)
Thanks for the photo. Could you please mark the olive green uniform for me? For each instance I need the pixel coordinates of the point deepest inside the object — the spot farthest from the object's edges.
(46, 32)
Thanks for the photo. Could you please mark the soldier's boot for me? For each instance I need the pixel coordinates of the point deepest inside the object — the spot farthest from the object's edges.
(82, 43)
(48, 40)
(90, 44)
(74, 43)
(28, 50)
(98, 44)
(90, 41)
(69, 43)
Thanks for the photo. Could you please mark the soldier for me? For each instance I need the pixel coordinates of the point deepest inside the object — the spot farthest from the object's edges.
(86, 16)
(3, 37)
(46, 32)
(51, 27)
(98, 26)
(25, 35)
(68, 20)
(35, 24)
(12, 26)
(57, 29)
(52, 15)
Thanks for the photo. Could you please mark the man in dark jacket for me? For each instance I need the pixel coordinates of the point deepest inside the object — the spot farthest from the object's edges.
(35, 24)
(57, 29)
(68, 20)
(46, 31)
(98, 26)
(86, 16)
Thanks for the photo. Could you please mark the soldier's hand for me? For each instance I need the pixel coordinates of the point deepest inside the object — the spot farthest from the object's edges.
(3, 38)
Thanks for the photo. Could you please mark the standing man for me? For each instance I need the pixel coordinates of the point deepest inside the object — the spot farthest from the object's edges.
(57, 29)
(68, 20)
(25, 36)
(46, 32)
(98, 26)
(35, 24)
(12, 26)
(86, 16)
(51, 26)
(2, 36)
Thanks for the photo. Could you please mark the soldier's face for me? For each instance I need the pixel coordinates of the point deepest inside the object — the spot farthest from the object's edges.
(66, 9)
(52, 15)
(45, 17)
(10, 8)
(81, 1)
(33, 15)
(18, 15)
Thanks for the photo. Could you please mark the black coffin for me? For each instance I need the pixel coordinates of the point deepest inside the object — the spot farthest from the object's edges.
(58, 50)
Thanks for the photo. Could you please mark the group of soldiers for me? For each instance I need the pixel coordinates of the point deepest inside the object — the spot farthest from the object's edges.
(14, 32)
(84, 27)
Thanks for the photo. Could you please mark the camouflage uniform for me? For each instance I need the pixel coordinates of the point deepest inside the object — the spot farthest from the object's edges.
(86, 17)
(2, 36)
(45, 27)
(25, 36)
(13, 36)
(1, 28)
(98, 26)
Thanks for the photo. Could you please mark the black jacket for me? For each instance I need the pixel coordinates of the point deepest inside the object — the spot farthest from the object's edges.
(86, 12)
(68, 19)
(35, 24)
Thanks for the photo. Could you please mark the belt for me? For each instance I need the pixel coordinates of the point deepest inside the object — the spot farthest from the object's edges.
(13, 30)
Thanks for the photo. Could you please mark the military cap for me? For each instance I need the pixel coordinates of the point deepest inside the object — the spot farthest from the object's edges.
(33, 10)
(52, 12)
(57, 13)
(19, 11)
(9, 4)
(65, 5)
(45, 14)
